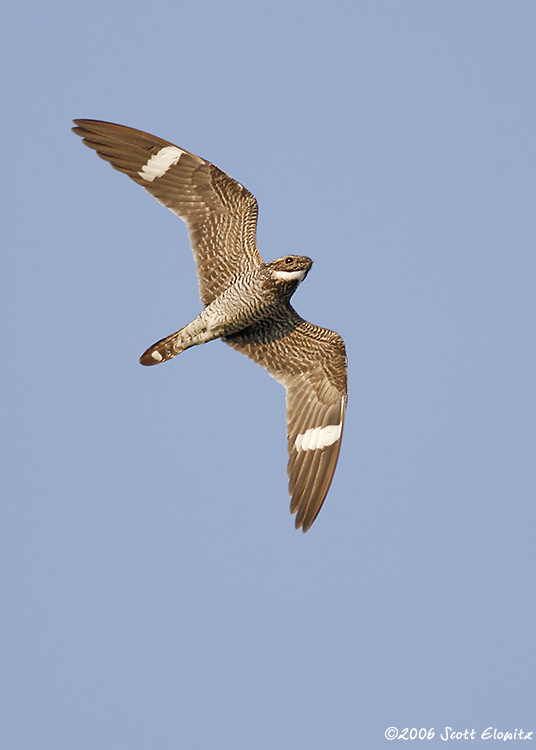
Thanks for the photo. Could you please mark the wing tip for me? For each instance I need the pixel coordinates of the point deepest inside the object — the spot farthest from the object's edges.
(309, 490)
(305, 525)
(307, 511)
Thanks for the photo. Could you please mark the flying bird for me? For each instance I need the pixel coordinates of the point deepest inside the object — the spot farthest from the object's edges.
(246, 301)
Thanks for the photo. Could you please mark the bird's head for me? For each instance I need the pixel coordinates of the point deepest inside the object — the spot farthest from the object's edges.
(290, 268)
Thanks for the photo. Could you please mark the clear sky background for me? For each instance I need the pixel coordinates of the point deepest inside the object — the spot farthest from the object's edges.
(155, 592)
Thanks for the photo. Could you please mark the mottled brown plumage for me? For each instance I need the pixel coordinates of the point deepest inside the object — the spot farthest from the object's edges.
(247, 302)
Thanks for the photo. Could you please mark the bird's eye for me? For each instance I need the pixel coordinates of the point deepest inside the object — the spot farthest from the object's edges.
(288, 260)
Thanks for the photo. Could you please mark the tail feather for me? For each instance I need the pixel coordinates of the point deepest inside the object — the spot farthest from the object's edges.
(163, 350)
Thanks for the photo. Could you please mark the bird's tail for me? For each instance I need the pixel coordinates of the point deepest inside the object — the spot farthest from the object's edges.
(164, 349)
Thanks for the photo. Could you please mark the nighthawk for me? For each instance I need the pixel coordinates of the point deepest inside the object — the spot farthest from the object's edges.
(246, 301)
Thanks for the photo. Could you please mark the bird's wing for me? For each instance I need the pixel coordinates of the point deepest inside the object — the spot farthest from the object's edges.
(221, 215)
(311, 363)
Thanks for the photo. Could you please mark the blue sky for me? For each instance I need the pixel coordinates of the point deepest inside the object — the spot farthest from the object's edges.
(155, 592)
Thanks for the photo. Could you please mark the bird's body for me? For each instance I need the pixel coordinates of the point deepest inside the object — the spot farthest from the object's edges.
(255, 296)
(246, 301)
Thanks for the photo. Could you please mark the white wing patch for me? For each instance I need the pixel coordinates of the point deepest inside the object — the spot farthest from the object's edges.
(159, 163)
(318, 437)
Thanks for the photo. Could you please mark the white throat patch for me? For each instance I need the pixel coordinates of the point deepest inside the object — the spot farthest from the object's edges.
(288, 275)
(159, 163)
